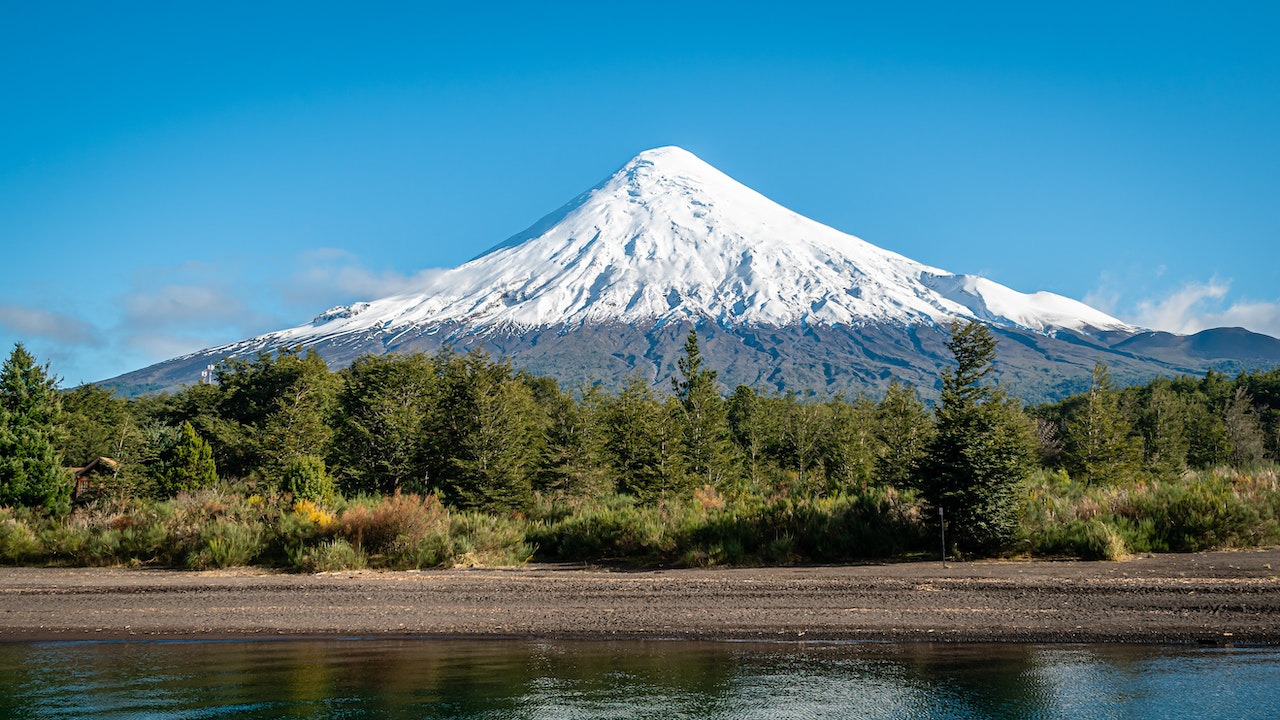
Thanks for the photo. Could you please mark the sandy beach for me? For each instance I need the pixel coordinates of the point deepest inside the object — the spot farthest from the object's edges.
(1220, 597)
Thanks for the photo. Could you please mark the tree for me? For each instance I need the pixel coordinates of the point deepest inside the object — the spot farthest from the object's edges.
(307, 479)
(31, 471)
(1209, 443)
(802, 434)
(750, 426)
(382, 409)
(904, 428)
(1248, 445)
(268, 411)
(488, 441)
(94, 418)
(99, 423)
(191, 465)
(1163, 424)
(704, 419)
(1099, 443)
(570, 465)
(978, 460)
(635, 442)
(850, 446)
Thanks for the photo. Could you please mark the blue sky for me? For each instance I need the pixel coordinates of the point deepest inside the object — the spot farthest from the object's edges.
(179, 175)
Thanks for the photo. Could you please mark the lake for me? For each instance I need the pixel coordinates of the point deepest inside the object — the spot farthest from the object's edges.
(362, 678)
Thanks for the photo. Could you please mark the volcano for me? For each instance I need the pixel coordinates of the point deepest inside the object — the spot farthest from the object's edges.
(610, 283)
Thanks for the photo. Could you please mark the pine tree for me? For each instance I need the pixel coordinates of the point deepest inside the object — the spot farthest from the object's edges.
(1163, 424)
(1248, 444)
(904, 428)
(1099, 442)
(978, 460)
(31, 471)
(635, 441)
(704, 418)
(191, 467)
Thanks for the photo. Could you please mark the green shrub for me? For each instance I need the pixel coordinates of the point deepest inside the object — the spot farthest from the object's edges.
(18, 542)
(226, 543)
(1196, 511)
(328, 556)
(483, 539)
(307, 479)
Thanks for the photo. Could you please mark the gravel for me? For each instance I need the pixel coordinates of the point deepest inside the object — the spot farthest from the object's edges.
(1218, 597)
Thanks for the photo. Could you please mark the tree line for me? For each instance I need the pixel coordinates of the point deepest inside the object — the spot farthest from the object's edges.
(482, 436)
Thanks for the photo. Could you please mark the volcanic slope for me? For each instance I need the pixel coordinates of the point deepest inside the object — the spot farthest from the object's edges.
(611, 282)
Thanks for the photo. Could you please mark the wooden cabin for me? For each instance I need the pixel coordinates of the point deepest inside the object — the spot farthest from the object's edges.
(85, 476)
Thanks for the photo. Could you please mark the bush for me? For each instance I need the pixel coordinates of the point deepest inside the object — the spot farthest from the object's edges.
(307, 479)
(328, 556)
(1197, 511)
(399, 531)
(18, 542)
(226, 543)
(482, 539)
(880, 522)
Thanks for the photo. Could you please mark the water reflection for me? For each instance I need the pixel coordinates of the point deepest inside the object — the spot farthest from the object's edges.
(552, 680)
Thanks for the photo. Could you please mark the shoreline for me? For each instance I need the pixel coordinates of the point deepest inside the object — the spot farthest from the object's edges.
(1222, 598)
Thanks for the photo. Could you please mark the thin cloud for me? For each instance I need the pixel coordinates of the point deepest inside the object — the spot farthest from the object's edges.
(28, 322)
(1199, 306)
(330, 277)
(177, 305)
(181, 310)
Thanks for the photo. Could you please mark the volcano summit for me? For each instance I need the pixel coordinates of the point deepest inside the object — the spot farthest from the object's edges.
(611, 282)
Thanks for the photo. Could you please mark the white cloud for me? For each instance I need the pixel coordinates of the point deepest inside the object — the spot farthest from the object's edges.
(181, 305)
(28, 322)
(329, 277)
(1198, 306)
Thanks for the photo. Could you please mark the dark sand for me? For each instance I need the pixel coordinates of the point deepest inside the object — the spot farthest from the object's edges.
(1222, 597)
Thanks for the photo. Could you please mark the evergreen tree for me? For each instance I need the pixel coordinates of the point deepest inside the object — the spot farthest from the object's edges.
(191, 466)
(636, 443)
(306, 478)
(1163, 424)
(1099, 443)
(101, 424)
(750, 426)
(93, 417)
(904, 428)
(1264, 388)
(494, 436)
(267, 411)
(979, 458)
(850, 446)
(1209, 443)
(1244, 433)
(801, 431)
(570, 465)
(704, 419)
(31, 469)
(383, 406)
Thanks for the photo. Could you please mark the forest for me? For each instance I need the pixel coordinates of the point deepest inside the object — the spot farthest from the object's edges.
(415, 460)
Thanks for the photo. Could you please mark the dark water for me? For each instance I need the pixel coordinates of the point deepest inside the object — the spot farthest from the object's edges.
(548, 681)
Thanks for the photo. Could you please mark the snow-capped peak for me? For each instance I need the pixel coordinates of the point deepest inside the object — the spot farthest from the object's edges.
(669, 237)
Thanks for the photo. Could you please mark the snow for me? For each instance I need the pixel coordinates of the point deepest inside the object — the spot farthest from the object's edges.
(668, 237)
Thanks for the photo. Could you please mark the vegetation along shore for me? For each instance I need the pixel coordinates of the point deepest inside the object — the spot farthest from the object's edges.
(420, 461)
